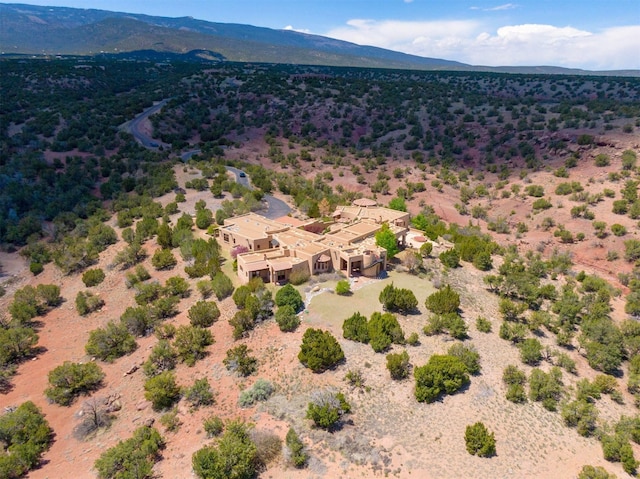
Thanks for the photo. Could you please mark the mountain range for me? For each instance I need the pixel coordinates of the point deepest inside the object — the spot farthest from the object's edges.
(41, 30)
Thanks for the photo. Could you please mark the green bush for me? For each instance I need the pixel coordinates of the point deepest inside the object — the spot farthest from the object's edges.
(191, 342)
(444, 301)
(176, 286)
(132, 458)
(205, 288)
(355, 328)
(87, 302)
(287, 319)
(110, 342)
(611, 446)
(585, 140)
(213, 426)
(326, 409)
(163, 357)
(165, 331)
(16, 344)
(260, 391)
(383, 330)
(320, 350)
(514, 332)
(450, 322)
(482, 261)
(479, 441)
(297, 454)
(343, 288)
(148, 292)
(29, 302)
(546, 387)
(170, 420)
(531, 351)
(516, 394)
(222, 285)
(69, 380)
(468, 355)
(450, 258)
(620, 207)
(234, 456)
(200, 394)
(130, 256)
(595, 472)
(443, 374)
(93, 277)
(288, 295)
(398, 365)
(426, 249)
(36, 268)
(580, 414)
(163, 259)
(618, 229)
(602, 160)
(240, 296)
(541, 204)
(241, 322)
(138, 320)
(204, 218)
(513, 375)
(483, 324)
(239, 360)
(565, 362)
(537, 191)
(203, 314)
(162, 390)
(25, 435)
(398, 299)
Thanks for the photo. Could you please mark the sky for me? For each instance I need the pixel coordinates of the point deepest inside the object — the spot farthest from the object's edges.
(588, 34)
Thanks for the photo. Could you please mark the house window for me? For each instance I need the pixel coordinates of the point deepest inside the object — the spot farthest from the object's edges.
(225, 237)
(257, 247)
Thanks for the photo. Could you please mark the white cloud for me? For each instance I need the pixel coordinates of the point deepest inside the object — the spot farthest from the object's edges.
(471, 42)
(299, 30)
(506, 6)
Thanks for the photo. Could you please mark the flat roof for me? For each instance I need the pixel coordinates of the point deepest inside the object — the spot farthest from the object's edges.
(300, 240)
(252, 226)
(290, 221)
(281, 266)
(257, 266)
(374, 212)
(354, 232)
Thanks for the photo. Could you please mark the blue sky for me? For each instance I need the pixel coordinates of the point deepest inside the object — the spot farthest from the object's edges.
(590, 34)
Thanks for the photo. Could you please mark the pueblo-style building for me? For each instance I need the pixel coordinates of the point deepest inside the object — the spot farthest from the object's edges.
(277, 248)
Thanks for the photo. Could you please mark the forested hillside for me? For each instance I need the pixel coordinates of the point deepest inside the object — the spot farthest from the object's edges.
(502, 340)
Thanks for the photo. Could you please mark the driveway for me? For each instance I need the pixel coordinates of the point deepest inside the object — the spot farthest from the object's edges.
(275, 207)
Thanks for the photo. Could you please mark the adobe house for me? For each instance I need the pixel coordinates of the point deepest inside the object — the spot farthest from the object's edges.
(276, 249)
(366, 209)
(250, 230)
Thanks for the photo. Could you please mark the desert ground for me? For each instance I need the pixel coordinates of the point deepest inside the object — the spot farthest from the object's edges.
(388, 435)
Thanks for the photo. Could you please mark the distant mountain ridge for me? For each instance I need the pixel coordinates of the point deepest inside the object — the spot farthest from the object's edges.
(41, 30)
